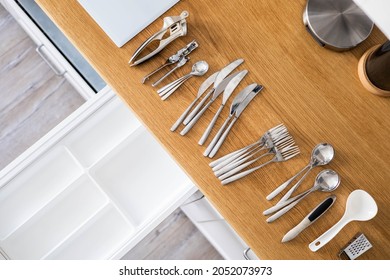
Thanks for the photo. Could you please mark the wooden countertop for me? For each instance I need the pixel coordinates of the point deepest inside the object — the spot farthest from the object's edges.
(315, 92)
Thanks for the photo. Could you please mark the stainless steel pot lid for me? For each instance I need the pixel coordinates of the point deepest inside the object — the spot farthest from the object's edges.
(337, 24)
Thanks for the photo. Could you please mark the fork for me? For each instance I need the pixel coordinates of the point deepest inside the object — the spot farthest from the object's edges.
(272, 147)
(282, 155)
(269, 136)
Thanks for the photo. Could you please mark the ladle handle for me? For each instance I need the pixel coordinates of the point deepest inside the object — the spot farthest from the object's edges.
(279, 189)
(328, 235)
(293, 188)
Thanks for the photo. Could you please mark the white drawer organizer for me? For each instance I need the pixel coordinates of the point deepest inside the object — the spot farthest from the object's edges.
(90, 189)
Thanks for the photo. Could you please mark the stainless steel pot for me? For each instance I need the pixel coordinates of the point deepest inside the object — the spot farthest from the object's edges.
(337, 24)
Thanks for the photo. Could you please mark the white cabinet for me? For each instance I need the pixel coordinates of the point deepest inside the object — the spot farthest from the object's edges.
(215, 228)
(90, 189)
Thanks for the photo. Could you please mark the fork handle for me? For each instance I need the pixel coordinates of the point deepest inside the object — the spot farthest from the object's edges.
(210, 126)
(243, 174)
(222, 139)
(285, 184)
(228, 157)
(182, 117)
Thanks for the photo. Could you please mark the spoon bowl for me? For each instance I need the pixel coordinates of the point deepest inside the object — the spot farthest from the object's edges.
(327, 181)
(322, 154)
(200, 68)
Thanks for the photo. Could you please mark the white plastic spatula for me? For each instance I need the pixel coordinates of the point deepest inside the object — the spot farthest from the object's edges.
(360, 207)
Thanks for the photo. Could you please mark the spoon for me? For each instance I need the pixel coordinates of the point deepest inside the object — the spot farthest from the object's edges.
(322, 154)
(360, 207)
(326, 181)
(198, 69)
(181, 63)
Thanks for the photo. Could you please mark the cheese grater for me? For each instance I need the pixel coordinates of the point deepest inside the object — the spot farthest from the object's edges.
(358, 245)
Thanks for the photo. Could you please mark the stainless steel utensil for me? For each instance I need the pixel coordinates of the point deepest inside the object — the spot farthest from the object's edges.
(217, 92)
(313, 216)
(238, 106)
(361, 206)
(198, 69)
(181, 63)
(326, 181)
(223, 73)
(205, 85)
(177, 27)
(242, 162)
(226, 94)
(283, 155)
(270, 136)
(356, 247)
(184, 52)
(322, 154)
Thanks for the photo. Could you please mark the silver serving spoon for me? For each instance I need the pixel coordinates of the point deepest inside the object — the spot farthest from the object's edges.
(326, 181)
(322, 154)
(198, 69)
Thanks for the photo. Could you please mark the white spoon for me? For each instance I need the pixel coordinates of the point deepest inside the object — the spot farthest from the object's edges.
(360, 207)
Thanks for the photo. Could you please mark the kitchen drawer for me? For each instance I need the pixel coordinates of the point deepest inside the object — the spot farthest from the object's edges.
(49, 52)
(219, 233)
(91, 188)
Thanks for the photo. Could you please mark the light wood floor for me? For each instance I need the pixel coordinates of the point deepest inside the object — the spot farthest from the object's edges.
(33, 100)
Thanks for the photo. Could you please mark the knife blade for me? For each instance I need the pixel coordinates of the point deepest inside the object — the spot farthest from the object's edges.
(231, 86)
(218, 80)
(313, 216)
(247, 100)
(206, 84)
(226, 71)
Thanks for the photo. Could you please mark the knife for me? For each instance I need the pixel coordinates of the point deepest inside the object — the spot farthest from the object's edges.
(218, 80)
(311, 218)
(217, 92)
(205, 85)
(226, 94)
(236, 109)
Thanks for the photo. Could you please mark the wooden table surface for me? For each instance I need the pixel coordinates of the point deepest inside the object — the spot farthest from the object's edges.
(315, 92)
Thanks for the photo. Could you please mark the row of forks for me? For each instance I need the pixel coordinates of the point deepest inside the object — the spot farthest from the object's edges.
(276, 141)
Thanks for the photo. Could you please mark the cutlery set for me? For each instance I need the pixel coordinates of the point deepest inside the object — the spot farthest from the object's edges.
(275, 145)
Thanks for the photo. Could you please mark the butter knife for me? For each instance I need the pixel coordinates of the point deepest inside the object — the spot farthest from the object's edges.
(218, 80)
(226, 94)
(311, 218)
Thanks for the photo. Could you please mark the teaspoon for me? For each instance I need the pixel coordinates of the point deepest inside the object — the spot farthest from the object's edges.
(322, 154)
(326, 181)
(198, 69)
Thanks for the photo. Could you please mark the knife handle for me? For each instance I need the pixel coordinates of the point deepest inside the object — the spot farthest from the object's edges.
(197, 108)
(195, 119)
(222, 139)
(216, 137)
(182, 117)
(210, 127)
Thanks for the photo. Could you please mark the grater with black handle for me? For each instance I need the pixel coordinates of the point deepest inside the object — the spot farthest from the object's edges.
(358, 245)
